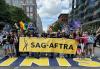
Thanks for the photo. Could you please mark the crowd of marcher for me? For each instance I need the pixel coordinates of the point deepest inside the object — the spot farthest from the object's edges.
(85, 48)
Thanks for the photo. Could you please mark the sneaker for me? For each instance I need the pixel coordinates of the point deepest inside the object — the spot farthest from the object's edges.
(92, 55)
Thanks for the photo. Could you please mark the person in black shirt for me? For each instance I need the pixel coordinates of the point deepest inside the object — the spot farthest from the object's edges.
(10, 39)
(16, 44)
(4, 47)
(98, 39)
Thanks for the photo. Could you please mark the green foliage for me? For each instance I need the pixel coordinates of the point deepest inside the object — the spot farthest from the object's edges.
(1, 26)
(17, 14)
(56, 27)
(11, 14)
(3, 10)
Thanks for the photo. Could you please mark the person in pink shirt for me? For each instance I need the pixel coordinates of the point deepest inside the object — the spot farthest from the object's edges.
(85, 38)
(85, 41)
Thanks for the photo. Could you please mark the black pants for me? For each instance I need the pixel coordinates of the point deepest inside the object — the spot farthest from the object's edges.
(97, 40)
(17, 50)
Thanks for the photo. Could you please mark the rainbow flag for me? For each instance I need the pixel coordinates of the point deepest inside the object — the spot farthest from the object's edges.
(22, 25)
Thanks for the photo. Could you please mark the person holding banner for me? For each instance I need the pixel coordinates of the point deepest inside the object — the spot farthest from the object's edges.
(91, 41)
(80, 49)
(5, 47)
(16, 43)
(30, 53)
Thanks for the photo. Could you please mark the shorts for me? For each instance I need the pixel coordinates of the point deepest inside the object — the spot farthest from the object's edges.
(86, 46)
(90, 45)
(12, 47)
(7, 46)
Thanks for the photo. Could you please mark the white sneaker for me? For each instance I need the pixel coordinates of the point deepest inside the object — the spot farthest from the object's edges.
(92, 55)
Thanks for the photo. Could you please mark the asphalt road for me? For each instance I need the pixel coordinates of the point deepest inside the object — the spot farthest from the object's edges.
(48, 68)
(97, 53)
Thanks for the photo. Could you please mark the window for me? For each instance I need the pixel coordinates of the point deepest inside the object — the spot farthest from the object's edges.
(27, 9)
(31, 14)
(91, 2)
(90, 10)
(97, 16)
(28, 14)
(81, 1)
(90, 18)
(78, 2)
(97, 6)
(31, 9)
(81, 14)
(29, 1)
(21, 1)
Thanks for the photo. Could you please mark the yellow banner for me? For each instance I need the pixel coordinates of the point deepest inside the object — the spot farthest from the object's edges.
(56, 45)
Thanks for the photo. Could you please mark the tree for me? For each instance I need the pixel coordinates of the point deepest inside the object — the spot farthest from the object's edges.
(1, 26)
(56, 27)
(11, 14)
(3, 10)
(16, 14)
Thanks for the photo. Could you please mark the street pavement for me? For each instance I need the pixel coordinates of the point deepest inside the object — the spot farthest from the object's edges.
(35, 62)
(97, 51)
(51, 63)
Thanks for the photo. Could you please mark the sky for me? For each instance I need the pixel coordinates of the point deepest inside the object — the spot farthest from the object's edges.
(49, 10)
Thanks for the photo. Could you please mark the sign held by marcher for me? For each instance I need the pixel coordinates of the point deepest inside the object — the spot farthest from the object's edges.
(55, 45)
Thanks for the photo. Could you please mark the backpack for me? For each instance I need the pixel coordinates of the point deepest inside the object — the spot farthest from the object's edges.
(91, 39)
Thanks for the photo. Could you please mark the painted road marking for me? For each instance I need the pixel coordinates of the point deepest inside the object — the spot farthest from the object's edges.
(8, 62)
(26, 61)
(63, 62)
(87, 62)
(99, 58)
(53, 62)
(39, 62)
(18, 61)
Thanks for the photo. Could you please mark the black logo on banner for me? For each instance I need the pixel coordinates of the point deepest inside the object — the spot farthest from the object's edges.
(26, 44)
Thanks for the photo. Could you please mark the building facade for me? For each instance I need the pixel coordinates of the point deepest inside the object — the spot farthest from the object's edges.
(61, 24)
(88, 12)
(39, 24)
(63, 18)
(14, 2)
(29, 7)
